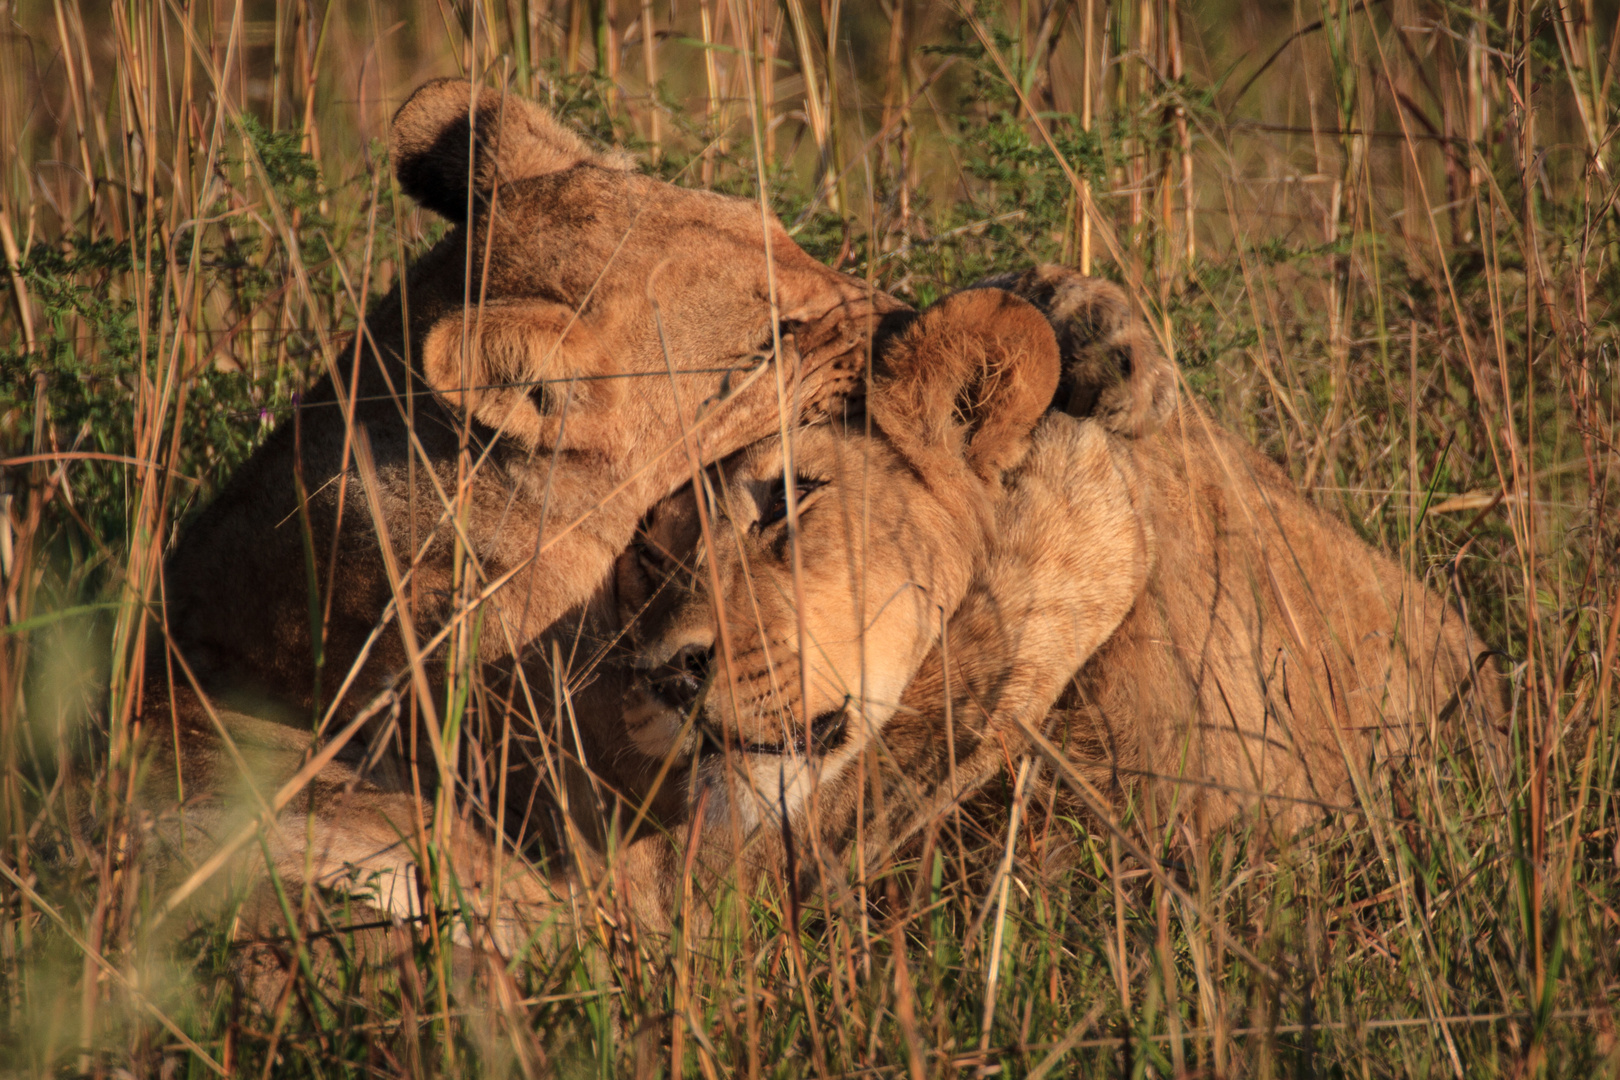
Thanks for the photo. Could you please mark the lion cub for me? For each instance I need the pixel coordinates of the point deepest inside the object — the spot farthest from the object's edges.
(466, 474)
(780, 615)
(1130, 587)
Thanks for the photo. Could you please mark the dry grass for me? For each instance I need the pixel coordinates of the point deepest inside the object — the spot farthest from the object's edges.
(1381, 239)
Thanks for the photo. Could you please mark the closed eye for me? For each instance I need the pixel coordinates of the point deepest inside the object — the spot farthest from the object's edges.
(777, 506)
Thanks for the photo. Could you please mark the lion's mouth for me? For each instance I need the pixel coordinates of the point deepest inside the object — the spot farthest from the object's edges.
(828, 732)
(685, 680)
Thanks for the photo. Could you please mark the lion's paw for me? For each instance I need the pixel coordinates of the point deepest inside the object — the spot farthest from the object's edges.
(1113, 372)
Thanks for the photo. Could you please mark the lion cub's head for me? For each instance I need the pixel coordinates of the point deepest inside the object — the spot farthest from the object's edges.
(779, 613)
(580, 305)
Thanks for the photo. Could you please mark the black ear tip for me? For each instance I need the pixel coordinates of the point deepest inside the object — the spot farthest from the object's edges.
(430, 106)
(428, 146)
(431, 148)
(437, 177)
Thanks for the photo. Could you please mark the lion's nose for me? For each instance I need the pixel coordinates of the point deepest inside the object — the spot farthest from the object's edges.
(684, 676)
(695, 660)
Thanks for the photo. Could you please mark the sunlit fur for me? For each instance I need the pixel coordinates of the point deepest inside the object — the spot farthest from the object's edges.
(1154, 597)
(544, 375)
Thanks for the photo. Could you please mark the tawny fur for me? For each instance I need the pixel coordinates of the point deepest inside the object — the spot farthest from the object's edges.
(950, 411)
(1273, 656)
(1154, 597)
(581, 339)
(935, 508)
(1142, 586)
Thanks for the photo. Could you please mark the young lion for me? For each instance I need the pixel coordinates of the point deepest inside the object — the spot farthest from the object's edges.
(580, 341)
(784, 609)
(1150, 599)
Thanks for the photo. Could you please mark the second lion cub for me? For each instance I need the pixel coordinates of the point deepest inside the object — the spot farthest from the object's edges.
(1153, 595)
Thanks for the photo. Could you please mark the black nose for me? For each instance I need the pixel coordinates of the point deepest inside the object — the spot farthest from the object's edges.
(681, 680)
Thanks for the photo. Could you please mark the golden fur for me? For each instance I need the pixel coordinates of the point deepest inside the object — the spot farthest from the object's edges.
(1273, 655)
(1154, 598)
(816, 654)
(1138, 584)
(951, 503)
(581, 340)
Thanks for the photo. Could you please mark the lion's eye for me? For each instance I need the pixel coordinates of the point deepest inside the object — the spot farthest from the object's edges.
(776, 508)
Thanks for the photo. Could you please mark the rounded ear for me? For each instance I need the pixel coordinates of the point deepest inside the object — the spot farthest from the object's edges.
(1112, 369)
(529, 371)
(968, 380)
(448, 135)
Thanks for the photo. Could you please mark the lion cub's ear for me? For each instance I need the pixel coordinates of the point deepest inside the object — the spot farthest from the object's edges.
(967, 380)
(1112, 370)
(530, 371)
(442, 139)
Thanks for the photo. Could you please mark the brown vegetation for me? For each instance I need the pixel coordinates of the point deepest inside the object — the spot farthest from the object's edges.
(1378, 240)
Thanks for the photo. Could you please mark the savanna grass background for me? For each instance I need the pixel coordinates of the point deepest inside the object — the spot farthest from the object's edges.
(1381, 241)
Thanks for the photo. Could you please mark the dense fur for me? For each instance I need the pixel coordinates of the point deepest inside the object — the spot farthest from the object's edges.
(798, 627)
(776, 656)
(1141, 586)
(596, 283)
(580, 342)
(1155, 600)
(1273, 655)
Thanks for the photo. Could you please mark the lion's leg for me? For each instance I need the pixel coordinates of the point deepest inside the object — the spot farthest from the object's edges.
(367, 853)
(381, 848)
(1070, 557)
(249, 807)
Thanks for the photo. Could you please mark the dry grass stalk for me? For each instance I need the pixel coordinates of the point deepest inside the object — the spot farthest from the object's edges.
(1383, 242)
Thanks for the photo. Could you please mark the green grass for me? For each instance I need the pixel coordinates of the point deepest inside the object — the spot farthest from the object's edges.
(1387, 257)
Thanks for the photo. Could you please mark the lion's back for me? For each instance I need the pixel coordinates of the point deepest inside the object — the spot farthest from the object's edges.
(1274, 653)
